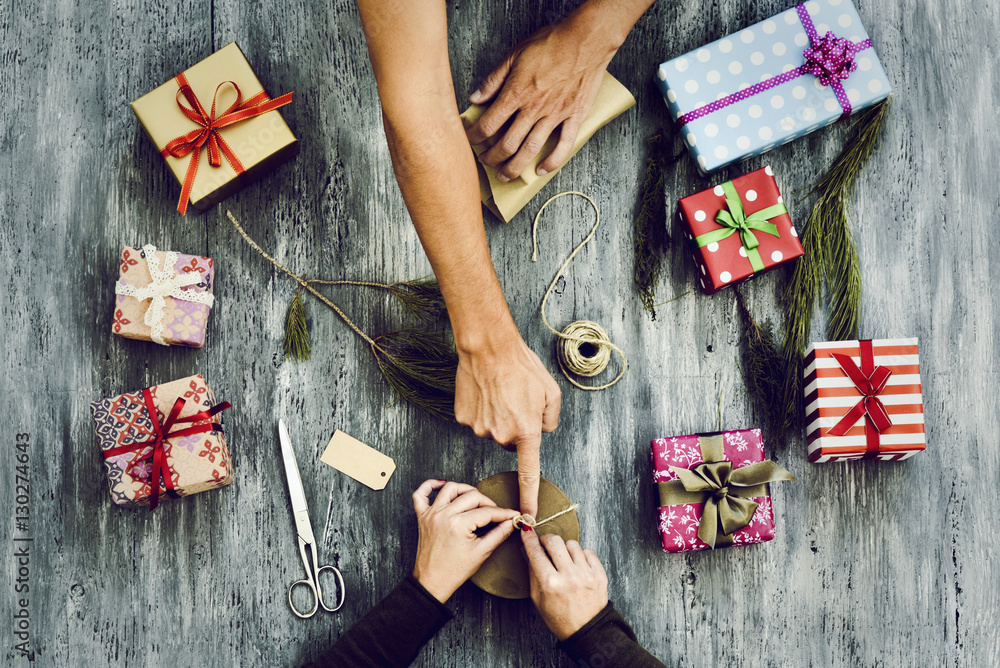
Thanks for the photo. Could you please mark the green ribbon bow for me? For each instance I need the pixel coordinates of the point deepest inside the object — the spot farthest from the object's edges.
(733, 219)
(725, 491)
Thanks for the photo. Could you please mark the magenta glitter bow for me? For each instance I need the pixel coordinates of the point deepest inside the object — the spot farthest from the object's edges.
(830, 59)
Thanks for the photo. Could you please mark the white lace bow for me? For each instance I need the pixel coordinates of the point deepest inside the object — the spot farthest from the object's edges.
(166, 282)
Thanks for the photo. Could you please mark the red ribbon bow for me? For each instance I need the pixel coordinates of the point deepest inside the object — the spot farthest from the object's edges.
(208, 132)
(870, 380)
(163, 433)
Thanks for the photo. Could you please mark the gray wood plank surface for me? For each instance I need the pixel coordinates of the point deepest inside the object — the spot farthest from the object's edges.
(873, 565)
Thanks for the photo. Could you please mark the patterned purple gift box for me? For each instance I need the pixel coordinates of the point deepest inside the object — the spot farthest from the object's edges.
(163, 296)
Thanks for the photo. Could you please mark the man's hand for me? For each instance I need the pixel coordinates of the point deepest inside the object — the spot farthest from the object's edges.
(568, 584)
(449, 550)
(547, 83)
(503, 392)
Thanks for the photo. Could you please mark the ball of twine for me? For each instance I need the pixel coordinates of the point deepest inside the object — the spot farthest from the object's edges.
(583, 348)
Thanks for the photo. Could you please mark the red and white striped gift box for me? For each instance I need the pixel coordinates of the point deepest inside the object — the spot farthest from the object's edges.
(831, 394)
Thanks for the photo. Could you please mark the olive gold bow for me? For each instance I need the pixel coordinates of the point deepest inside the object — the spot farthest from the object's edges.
(725, 491)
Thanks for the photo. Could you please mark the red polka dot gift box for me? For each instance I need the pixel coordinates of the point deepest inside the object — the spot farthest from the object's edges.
(738, 229)
(714, 490)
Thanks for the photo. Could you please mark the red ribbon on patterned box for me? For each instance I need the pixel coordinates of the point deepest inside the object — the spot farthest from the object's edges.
(164, 432)
(870, 380)
(208, 132)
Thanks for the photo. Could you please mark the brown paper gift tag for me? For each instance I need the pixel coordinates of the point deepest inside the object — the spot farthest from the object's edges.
(359, 461)
(261, 143)
(506, 199)
(505, 572)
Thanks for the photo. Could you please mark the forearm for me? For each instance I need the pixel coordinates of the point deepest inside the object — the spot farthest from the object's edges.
(609, 22)
(391, 633)
(434, 164)
(608, 640)
(436, 171)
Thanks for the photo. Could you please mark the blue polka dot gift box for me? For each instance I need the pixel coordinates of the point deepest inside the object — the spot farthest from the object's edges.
(738, 229)
(773, 82)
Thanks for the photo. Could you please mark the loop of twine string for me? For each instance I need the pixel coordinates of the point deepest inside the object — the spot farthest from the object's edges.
(303, 283)
(530, 521)
(576, 335)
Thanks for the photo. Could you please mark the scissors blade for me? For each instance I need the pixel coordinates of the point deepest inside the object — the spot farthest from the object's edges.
(300, 509)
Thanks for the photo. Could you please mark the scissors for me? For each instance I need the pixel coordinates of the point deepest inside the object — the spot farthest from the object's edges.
(303, 527)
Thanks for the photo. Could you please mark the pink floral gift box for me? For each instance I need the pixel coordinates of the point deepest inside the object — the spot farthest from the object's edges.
(162, 442)
(163, 296)
(714, 490)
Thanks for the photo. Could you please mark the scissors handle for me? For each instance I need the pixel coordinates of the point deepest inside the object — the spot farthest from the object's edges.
(340, 588)
(311, 581)
(315, 599)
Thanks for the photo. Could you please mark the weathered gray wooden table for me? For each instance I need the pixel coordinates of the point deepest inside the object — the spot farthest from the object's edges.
(873, 565)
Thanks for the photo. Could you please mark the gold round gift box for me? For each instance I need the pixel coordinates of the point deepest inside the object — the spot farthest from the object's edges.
(505, 572)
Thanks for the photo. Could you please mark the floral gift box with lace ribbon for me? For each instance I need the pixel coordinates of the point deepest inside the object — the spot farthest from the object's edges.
(714, 490)
(162, 442)
(163, 296)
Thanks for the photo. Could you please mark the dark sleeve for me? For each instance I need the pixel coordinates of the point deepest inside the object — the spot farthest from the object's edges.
(608, 640)
(391, 633)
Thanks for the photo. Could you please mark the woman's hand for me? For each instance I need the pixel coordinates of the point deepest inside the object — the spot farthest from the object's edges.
(448, 549)
(568, 584)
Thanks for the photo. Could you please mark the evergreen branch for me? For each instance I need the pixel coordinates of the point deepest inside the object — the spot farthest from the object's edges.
(843, 274)
(421, 298)
(651, 234)
(421, 367)
(763, 371)
(830, 254)
(800, 297)
(866, 131)
(297, 344)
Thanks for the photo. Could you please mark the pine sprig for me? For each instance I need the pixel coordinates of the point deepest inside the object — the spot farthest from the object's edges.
(298, 343)
(421, 367)
(831, 256)
(763, 371)
(421, 298)
(843, 273)
(651, 234)
(801, 295)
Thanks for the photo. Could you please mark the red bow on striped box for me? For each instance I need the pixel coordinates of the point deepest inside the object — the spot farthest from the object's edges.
(863, 400)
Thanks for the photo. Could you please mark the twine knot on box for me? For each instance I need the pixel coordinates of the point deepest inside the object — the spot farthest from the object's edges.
(529, 521)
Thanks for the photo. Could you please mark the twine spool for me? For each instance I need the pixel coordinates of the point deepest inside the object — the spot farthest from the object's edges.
(583, 347)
